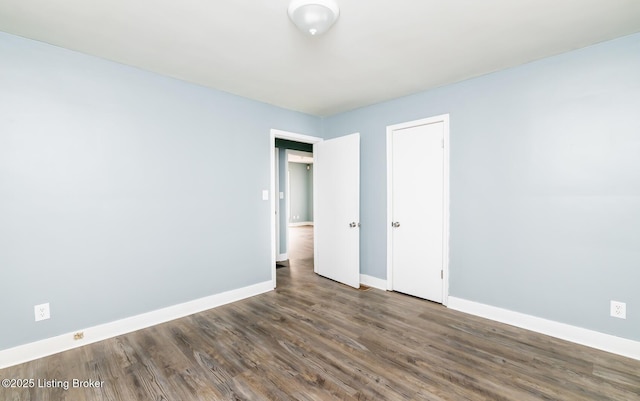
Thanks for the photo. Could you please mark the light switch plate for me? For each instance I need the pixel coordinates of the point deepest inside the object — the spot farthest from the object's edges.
(265, 194)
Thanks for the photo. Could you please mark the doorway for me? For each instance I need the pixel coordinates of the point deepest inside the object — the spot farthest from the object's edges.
(280, 190)
(336, 205)
(418, 208)
(294, 203)
(299, 188)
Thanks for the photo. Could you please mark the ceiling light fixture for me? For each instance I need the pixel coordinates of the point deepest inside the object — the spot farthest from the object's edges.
(313, 17)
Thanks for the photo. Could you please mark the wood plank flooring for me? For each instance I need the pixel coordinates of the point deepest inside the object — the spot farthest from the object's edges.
(314, 339)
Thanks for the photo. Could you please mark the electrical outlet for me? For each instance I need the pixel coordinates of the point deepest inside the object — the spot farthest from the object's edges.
(42, 312)
(619, 309)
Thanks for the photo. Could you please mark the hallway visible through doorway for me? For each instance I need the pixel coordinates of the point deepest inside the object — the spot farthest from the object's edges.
(300, 252)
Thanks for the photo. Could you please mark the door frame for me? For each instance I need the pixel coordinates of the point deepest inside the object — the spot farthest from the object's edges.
(288, 153)
(275, 133)
(444, 118)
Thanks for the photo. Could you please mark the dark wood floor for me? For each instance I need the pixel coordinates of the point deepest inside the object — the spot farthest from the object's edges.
(314, 339)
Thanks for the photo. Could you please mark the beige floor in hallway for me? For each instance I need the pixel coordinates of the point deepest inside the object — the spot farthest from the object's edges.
(315, 339)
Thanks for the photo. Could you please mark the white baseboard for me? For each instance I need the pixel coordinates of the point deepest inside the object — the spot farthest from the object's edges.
(590, 338)
(282, 257)
(301, 223)
(53, 345)
(374, 282)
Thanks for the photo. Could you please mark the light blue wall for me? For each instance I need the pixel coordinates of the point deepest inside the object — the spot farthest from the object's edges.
(282, 178)
(116, 196)
(545, 184)
(310, 193)
(301, 192)
(112, 181)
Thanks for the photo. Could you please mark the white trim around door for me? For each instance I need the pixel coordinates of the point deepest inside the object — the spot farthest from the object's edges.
(292, 136)
(445, 261)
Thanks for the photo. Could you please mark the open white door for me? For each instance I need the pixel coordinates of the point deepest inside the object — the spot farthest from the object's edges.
(337, 209)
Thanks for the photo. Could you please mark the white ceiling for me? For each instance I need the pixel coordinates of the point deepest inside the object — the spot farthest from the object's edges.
(377, 50)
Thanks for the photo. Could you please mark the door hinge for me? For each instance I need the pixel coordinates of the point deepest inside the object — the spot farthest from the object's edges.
(442, 274)
(442, 143)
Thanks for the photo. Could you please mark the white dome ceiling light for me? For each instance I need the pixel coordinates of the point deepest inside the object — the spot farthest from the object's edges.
(313, 17)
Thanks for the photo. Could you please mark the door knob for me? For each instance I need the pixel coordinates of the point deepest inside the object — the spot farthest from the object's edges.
(395, 224)
(353, 224)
